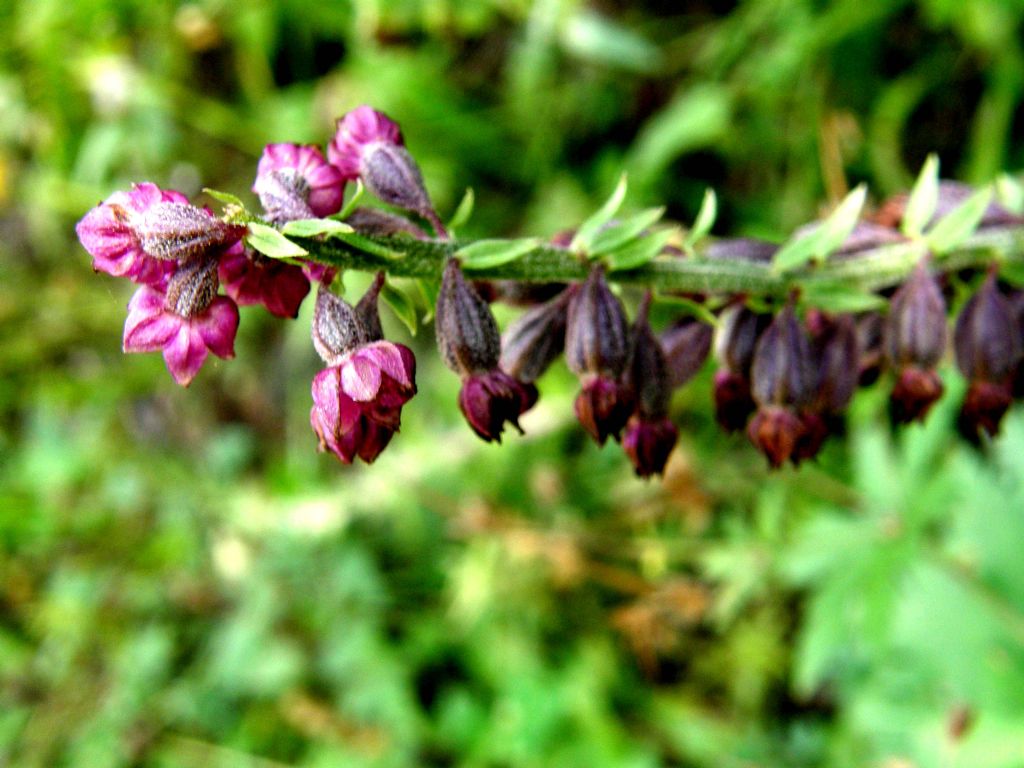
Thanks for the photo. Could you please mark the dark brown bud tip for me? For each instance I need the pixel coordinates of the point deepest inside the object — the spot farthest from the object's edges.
(649, 443)
(733, 401)
(776, 431)
(983, 409)
(915, 392)
(603, 406)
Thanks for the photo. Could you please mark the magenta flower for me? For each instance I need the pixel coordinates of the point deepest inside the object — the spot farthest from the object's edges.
(185, 341)
(356, 131)
(357, 402)
(108, 233)
(295, 182)
(490, 398)
(249, 278)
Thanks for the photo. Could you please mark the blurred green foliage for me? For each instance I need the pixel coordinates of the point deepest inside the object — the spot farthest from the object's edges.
(184, 582)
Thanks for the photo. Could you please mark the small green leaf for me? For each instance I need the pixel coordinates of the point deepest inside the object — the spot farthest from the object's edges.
(353, 201)
(589, 228)
(688, 307)
(485, 254)
(367, 245)
(705, 218)
(841, 222)
(638, 252)
(797, 251)
(1013, 273)
(271, 242)
(960, 223)
(463, 211)
(401, 304)
(924, 197)
(617, 235)
(314, 227)
(224, 197)
(839, 297)
(1010, 194)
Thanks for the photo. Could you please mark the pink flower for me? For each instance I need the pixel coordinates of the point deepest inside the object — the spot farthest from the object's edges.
(108, 233)
(249, 278)
(294, 181)
(185, 341)
(357, 402)
(356, 131)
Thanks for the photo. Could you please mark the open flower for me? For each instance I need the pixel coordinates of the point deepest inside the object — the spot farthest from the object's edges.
(356, 132)
(108, 233)
(186, 321)
(294, 181)
(250, 278)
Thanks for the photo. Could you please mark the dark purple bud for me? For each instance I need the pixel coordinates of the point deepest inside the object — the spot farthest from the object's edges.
(812, 438)
(648, 443)
(467, 333)
(983, 408)
(1016, 299)
(192, 288)
(179, 231)
(596, 340)
(646, 374)
(783, 371)
(686, 345)
(870, 327)
(836, 351)
(987, 338)
(536, 338)
(915, 340)
(733, 401)
(367, 312)
(378, 223)
(336, 328)
(603, 406)
(391, 174)
(776, 431)
(490, 398)
(738, 331)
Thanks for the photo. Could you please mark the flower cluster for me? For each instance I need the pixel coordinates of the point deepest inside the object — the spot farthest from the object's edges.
(784, 377)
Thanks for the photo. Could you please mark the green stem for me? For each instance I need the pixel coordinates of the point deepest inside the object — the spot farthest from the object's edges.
(868, 270)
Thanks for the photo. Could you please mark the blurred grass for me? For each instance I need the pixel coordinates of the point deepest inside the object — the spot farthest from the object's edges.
(184, 582)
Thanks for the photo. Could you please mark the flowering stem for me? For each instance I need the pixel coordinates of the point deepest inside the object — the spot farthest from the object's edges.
(867, 270)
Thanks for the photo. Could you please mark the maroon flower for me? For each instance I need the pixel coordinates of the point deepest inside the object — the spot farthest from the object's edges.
(156, 322)
(490, 398)
(250, 278)
(648, 443)
(108, 233)
(295, 182)
(357, 402)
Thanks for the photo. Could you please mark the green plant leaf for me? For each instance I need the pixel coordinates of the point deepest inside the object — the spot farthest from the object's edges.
(1012, 272)
(224, 197)
(485, 254)
(463, 211)
(271, 242)
(923, 198)
(638, 252)
(705, 218)
(841, 222)
(839, 297)
(367, 245)
(688, 307)
(797, 251)
(352, 203)
(589, 228)
(401, 304)
(1010, 193)
(314, 227)
(617, 235)
(960, 223)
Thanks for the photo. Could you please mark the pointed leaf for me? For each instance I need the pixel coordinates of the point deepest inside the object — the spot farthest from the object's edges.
(463, 211)
(840, 223)
(224, 197)
(270, 242)
(314, 227)
(589, 228)
(689, 307)
(924, 197)
(1010, 193)
(797, 251)
(839, 297)
(960, 223)
(638, 252)
(705, 218)
(617, 235)
(486, 254)
(401, 304)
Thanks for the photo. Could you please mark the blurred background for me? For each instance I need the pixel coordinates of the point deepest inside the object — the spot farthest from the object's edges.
(185, 582)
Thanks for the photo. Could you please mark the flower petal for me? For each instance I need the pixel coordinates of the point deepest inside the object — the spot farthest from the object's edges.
(185, 353)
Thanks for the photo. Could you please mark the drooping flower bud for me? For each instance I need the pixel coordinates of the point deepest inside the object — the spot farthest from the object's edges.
(294, 181)
(596, 350)
(915, 340)
(367, 311)
(336, 329)
(870, 327)
(180, 232)
(192, 288)
(686, 345)
(988, 349)
(368, 145)
(251, 278)
(649, 434)
(836, 352)
(378, 223)
(1016, 299)
(536, 338)
(735, 341)
(468, 338)
(782, 382)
